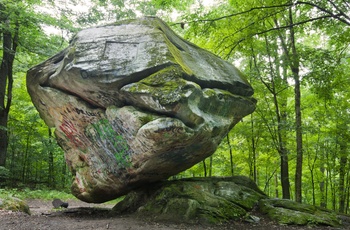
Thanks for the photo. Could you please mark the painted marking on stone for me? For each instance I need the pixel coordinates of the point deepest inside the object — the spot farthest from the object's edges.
(70, 131)
(88, 113)
(110, 139)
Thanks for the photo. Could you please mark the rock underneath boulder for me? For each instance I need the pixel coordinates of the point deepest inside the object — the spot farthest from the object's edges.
(194, 200)
(14, 204)
(218, 200)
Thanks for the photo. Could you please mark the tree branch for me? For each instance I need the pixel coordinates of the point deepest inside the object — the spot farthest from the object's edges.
(335, 16)
(243, 12)
(279, 28)
(331, 14)
(340, 10)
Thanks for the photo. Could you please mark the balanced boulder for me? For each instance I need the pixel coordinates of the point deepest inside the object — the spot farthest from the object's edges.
(133, 103)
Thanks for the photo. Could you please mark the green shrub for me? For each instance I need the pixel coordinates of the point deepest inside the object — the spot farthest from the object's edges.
(4, 173)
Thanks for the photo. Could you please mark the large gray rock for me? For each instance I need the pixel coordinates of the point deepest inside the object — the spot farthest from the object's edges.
(288, 212)
(134, 103)
(220, 200)
(194, 200)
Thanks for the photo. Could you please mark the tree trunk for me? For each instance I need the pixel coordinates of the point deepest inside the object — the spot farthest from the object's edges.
(231, 155)
(276, 186)
(51, 177)
(313, 186)
(281, 117)
(347, 193)
(323, 200)
(204, 168)
(10, 42)
(298, 124)
(342, 190)
(3, 136)
(285, 175)
(210, 166)
(4, 107)
(253, 150)
(293, 62)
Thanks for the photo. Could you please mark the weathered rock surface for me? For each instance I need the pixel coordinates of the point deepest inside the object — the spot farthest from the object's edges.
(218, 200)
(290, 212)
(194, 200)
(133, 103)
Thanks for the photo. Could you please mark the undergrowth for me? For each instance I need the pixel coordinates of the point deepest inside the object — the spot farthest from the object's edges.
(26, 193)
(35, 194)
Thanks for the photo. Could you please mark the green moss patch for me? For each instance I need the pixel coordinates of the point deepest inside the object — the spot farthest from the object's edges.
(290, 212)
(14, 204)
(190, 201)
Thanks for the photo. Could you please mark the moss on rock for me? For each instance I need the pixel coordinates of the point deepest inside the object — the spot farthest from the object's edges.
(14, 204)
(290, 212)
(166, 85)
(204, 200)
(217, 200)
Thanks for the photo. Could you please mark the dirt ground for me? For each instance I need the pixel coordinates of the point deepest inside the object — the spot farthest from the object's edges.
(80, 215)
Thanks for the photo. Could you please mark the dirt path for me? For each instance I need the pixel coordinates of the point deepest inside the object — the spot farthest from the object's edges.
(80, 215)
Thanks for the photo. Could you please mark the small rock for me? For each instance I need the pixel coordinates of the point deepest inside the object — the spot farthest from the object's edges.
(57, 203)
(252, 219)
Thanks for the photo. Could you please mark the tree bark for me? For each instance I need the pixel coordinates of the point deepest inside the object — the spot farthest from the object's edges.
(10, 42)
(293, 62)
(210, 166)
(231, 155)
(342, 189)
(51, 177)
(254, 153)
(323, 200)
(204, 168)
(281, 117)
(276, 186)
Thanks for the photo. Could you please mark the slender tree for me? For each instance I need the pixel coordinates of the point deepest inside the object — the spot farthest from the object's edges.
(21, 32)
(292, 56)
(9, 33)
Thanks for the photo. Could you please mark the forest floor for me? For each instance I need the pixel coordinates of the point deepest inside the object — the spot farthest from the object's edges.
(80, 215)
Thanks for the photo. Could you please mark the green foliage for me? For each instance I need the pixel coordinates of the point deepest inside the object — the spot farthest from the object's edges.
(29, 143)
(35, 194)
(4, 173)
(249, 34)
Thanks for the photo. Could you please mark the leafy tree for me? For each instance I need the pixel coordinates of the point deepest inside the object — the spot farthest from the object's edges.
(24, 42)
(285, 36)
(9, 37)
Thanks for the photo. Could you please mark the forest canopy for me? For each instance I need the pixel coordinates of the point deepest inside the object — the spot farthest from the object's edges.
(295, 54)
